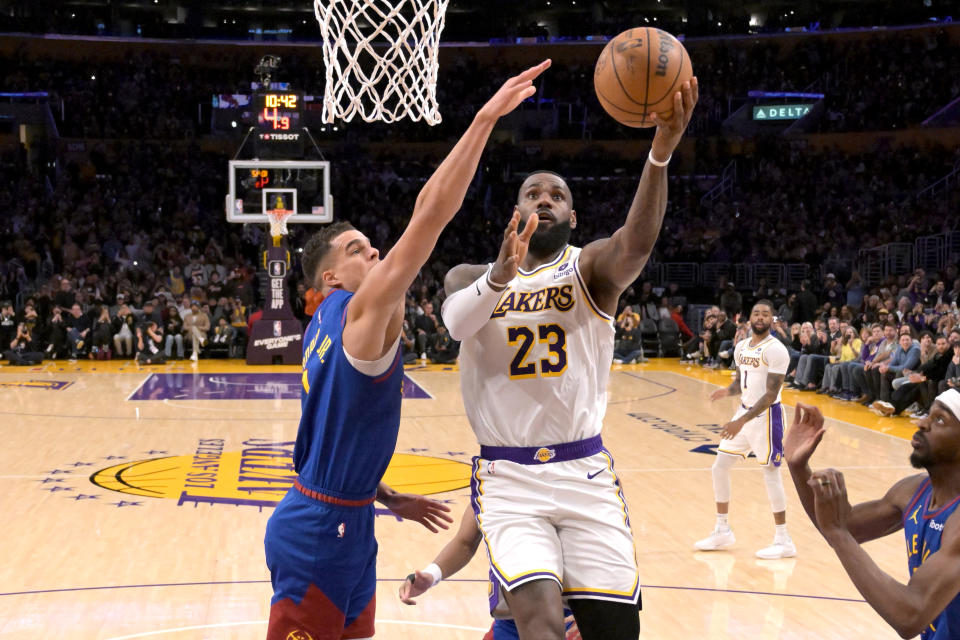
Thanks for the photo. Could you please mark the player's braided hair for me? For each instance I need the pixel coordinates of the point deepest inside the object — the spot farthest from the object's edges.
(318, 246)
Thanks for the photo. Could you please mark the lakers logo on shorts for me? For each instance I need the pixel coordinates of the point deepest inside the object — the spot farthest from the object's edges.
(296, 634)
(544, 454)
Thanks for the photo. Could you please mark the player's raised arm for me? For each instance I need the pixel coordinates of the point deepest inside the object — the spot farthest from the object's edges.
(868, 520)
(473, 290)
(908, 608)
(376, 309)
(610, 265)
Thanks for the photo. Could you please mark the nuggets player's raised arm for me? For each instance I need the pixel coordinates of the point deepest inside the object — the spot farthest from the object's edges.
(909, 608)
(868, 520)
(610, 265)
(375, 315)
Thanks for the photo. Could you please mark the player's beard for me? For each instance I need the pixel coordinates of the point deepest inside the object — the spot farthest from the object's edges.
(924, 459)
(759, 328)
(545, 242)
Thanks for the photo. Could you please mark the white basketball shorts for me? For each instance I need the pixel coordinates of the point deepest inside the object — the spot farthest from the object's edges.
(557, 513)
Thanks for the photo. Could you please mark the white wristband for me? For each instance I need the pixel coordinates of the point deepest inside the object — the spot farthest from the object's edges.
(493, 284)
(656, 162)
(434, 572)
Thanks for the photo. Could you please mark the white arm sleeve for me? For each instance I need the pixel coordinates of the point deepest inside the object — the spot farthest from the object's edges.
(466, 311)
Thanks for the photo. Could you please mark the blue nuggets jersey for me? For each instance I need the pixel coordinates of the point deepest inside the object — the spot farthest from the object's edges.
(923, 529)
(349, 421)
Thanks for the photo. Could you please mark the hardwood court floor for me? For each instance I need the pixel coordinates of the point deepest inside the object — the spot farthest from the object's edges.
(136, 498)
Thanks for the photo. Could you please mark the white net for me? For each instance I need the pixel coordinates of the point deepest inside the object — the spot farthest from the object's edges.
(278, 222)
(380, 58)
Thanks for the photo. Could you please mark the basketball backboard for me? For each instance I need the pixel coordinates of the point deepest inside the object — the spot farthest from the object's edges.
(257, 186)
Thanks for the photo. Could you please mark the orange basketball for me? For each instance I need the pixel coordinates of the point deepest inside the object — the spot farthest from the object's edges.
(638, 74)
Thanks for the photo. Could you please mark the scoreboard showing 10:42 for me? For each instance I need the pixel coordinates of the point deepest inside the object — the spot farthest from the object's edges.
(279, 132)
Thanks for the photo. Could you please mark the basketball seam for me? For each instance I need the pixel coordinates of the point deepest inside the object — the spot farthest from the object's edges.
(646, 91)
(616, 74)
(618, 107)
(602, 98)
(672, 84)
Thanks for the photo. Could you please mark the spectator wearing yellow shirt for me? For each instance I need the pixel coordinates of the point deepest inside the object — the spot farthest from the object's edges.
(844, 349)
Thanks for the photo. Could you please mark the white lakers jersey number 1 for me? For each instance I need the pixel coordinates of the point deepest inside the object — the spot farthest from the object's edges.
(755, 362)
(537, 372)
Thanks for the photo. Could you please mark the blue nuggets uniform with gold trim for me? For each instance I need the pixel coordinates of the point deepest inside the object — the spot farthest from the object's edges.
(320, 544)
(923, 529)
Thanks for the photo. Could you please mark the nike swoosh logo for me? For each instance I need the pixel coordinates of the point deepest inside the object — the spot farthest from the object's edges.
(478, 288)
(591, 476)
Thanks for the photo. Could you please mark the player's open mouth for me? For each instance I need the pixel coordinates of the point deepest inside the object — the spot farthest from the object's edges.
(545, 215)
(918, 441)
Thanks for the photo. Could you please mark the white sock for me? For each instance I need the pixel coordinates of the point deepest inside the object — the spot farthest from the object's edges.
(781, 532)
(722, 521)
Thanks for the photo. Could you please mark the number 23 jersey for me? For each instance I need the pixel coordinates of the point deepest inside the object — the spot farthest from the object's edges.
(536, 373)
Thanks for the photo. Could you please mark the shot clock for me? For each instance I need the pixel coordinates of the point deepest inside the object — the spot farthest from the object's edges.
(279, 131)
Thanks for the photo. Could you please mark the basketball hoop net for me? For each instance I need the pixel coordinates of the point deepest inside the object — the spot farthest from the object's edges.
(278, 224)
(389, 73)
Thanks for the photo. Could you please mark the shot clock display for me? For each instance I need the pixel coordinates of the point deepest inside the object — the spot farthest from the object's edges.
(279, 132)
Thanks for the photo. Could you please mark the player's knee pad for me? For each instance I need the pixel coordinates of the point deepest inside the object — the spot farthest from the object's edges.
(721, 476)
(774, 482)
(604, 620)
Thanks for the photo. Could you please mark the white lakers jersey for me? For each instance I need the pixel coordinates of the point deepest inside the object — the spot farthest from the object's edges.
(537, 372)
(754, 363)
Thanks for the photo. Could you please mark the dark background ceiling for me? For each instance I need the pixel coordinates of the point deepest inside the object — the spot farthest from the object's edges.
(466, 20)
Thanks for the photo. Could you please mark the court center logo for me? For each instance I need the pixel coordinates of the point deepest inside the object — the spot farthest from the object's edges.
(258, 475)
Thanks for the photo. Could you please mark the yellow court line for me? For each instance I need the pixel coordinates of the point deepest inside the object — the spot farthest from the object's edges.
(848, 412)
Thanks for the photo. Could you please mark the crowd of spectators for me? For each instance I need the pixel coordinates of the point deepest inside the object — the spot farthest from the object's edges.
(893, 349)
(885, 81)
(494, 21)
(792, 204)
(130, 220)
(125, 253)
(118, 243)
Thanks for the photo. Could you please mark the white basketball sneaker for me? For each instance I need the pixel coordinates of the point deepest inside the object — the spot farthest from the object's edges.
(779, 549)
(719, 539)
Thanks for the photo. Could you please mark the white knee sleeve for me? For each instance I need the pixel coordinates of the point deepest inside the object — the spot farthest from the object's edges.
(721, 476)
(774, 482)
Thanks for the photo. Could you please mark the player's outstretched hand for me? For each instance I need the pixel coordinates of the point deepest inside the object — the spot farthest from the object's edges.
(804, 434)
(718, 393)
(830, 501)
(415, 584)
(513, 92)
(429, 513)
(513, 249)
(670, 130)
(730, 430)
